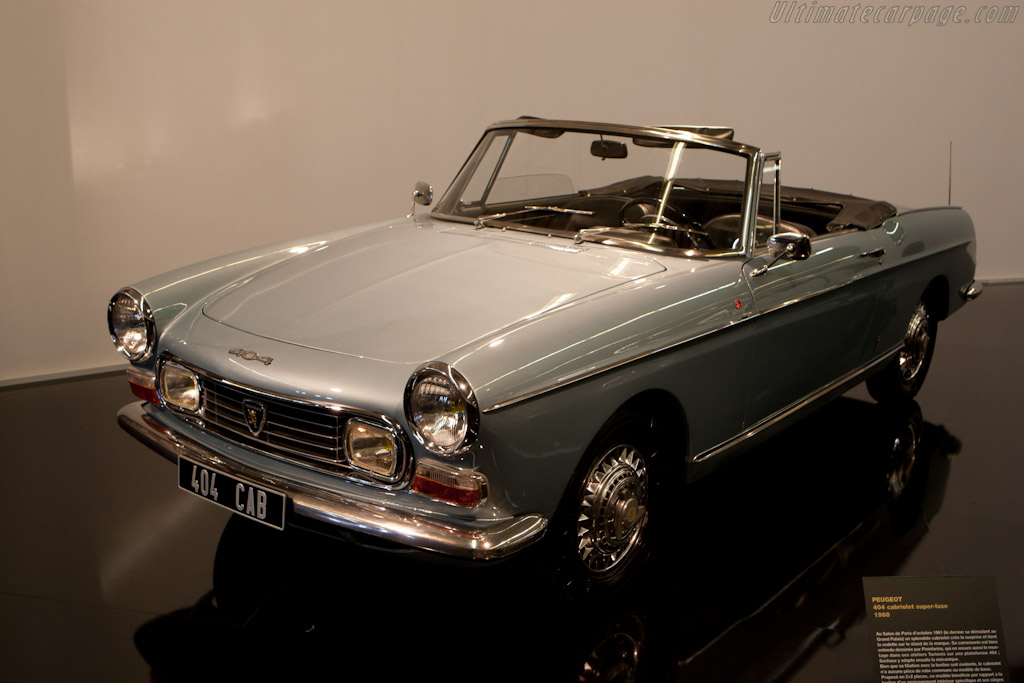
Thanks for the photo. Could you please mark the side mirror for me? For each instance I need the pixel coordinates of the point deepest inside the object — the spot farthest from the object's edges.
(788, 245)
(422, 194)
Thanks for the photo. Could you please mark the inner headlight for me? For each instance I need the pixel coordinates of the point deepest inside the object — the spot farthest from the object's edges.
(179, 387)
(441, 408)
(131, 324)
(371, 447)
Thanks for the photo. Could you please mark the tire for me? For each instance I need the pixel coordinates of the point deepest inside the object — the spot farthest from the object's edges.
(903, 377)
(606, 523)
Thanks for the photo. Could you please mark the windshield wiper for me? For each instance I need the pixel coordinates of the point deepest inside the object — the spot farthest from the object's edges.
(481, 221)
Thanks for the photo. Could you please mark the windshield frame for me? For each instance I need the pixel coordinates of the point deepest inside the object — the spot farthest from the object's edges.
(751, 180)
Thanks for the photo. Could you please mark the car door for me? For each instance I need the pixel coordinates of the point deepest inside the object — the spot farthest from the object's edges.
(814, 316)
(814, 319)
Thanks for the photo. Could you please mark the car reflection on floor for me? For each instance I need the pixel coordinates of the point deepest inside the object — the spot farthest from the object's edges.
(765, 566)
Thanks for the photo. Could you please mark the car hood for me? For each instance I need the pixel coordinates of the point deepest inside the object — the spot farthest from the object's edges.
(415, 291)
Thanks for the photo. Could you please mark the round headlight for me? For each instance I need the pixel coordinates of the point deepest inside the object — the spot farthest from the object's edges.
(131, 324)
(441, 408)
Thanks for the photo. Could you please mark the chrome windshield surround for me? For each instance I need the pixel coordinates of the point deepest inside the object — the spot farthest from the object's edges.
(684, 134)
(147, 315)
(455, 208)
(320, 442)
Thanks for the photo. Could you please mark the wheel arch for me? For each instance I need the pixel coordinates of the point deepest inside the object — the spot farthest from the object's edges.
(660, 417)
(668, 416)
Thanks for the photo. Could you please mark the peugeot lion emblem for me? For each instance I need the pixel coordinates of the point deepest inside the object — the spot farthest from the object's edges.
(255, 416)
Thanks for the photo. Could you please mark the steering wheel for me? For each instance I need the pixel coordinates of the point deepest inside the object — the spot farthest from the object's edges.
(671, 218)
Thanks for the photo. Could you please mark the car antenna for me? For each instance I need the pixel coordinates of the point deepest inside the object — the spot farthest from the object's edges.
(949, 196)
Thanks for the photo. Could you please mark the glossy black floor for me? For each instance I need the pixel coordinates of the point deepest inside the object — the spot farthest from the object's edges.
(109, 572)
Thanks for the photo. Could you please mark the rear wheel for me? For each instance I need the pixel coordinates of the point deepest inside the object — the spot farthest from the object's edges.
(903, 376)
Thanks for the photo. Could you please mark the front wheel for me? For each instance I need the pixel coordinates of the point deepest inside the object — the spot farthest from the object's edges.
(903, 376)
(606, 521)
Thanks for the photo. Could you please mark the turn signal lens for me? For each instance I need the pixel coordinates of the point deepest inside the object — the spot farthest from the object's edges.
(371, 448)
(458, 487)
(143, 385)
(179, 387)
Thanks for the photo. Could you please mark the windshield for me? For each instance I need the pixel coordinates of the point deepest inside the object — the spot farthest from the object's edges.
(655, 193)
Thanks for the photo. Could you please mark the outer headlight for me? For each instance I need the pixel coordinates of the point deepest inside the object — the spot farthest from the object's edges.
(441, 409)
(179, 387)
(130, 322)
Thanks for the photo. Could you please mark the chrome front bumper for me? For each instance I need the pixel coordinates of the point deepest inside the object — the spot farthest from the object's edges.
(478, 542)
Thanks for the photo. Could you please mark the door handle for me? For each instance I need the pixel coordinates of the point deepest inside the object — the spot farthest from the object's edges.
(874, 253)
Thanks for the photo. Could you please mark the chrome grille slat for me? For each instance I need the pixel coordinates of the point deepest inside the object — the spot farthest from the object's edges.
(305, 431)
(309, 433)
(235, 415)
(309, 450)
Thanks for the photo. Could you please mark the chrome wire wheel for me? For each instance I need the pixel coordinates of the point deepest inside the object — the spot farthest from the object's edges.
(612, 509)
(902, 460)
(916, 343)
(904, 375)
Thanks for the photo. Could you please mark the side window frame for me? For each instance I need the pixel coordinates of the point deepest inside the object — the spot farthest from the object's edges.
(771, 172)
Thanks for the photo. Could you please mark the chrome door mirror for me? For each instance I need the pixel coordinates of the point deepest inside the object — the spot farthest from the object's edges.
(788, 245)
(422, 194)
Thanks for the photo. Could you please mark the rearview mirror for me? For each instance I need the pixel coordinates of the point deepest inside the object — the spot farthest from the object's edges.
(608, 149)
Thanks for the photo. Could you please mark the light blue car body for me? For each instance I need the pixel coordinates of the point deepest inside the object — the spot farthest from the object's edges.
(554, 336)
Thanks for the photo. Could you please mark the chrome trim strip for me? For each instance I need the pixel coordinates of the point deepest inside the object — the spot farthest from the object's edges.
(613, 366)
(971, 290)
(487, 542)
(641, 356)
(905, 212)
(772, 420)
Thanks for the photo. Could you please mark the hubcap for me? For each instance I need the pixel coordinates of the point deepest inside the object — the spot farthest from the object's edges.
(902, 460)
(613, 509)
(915, 344)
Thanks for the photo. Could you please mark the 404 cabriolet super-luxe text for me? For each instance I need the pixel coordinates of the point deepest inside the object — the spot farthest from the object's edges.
(590, 318)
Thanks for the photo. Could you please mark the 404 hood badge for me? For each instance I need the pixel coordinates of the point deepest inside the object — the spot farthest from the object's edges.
(251, 355)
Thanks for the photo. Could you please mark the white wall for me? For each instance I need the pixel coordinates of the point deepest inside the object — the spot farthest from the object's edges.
(140, 135)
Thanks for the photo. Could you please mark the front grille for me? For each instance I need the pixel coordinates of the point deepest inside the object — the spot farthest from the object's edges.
(291, 429)
(308, 432)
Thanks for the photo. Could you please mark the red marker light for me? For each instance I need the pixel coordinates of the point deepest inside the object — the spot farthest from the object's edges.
(143, 385)
(739, 304)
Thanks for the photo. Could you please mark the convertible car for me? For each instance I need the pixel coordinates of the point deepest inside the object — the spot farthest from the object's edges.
(592, 317)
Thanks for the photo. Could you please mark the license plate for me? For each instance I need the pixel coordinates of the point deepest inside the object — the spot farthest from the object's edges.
(240, 496)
